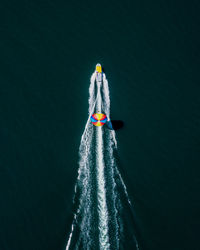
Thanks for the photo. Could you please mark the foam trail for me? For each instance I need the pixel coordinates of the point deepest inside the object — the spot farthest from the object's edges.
(101, 198)
(106, 96)
(114, 170)
(111, 165)
(102, 207)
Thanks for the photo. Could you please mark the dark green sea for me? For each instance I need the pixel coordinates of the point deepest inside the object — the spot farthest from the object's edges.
(151, 57)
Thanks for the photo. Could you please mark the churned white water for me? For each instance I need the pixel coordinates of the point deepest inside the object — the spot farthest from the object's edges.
(98, 222)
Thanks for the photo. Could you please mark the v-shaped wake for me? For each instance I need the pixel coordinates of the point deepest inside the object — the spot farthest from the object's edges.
(101, 200)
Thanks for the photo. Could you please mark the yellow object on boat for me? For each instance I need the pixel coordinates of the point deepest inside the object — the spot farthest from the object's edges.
(98, 68)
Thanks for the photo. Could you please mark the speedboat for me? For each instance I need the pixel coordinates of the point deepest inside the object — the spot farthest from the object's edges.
(99, 73)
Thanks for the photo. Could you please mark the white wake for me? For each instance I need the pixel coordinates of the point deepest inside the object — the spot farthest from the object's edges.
(98, 221)
(101, 191)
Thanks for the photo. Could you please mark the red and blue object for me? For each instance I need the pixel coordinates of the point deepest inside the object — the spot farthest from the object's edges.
(98, 119)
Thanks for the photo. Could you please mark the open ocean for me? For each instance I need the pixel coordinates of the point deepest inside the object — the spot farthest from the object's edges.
(150, 52)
